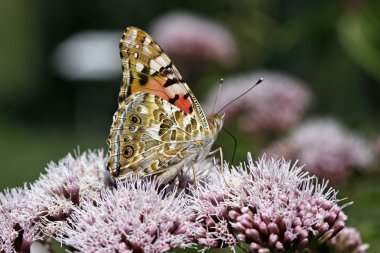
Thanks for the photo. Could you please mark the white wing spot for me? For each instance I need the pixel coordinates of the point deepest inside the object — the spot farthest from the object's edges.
(161, 61)
(137, 46)
(147, 40)
(133, 35)
(125, 62)
(146, 50)
(142, 109)
(154, 65)
(167, 108)
(171, 76)
(135, 55)
(152, 71)
(186, 121)
(165, 57)
(139, 66)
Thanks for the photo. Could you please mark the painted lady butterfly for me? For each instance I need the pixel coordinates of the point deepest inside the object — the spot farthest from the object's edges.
(159, 125)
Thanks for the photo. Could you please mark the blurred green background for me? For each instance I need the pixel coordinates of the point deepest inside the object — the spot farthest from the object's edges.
(333, 45)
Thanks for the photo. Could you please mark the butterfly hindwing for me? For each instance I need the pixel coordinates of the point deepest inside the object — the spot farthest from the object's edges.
(149, 135)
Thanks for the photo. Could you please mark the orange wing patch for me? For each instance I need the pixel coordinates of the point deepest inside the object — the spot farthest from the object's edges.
(150, 85)
(147, 69)
(181, 101)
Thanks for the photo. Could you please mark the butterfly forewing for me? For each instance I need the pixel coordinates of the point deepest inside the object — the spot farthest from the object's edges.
(147, 69)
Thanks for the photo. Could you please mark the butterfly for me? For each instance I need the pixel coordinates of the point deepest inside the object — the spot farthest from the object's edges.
(159, 126)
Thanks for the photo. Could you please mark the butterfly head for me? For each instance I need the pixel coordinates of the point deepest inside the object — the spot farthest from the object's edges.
(215, 121)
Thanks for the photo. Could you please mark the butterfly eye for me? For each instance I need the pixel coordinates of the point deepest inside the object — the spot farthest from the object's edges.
(134, 119)
(128, 152)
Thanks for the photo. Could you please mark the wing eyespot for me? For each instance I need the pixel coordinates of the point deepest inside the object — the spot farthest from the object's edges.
(135, 119)
(128, 152)
(132, 128)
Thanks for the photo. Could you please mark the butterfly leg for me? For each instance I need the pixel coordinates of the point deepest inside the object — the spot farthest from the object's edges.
(220, 150)
(194, 173)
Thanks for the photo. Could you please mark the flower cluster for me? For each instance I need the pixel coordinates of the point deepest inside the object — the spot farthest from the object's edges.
(209, 213)
(267, 206)
(270, 207)
(135, 217)
(275, 106)
(328, 150)
(17, 221)
(348, 240)
(27, 214)
(58, 191)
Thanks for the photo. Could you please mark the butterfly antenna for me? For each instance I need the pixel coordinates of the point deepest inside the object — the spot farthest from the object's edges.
(235, 143)
(217, 95)
(257, 83)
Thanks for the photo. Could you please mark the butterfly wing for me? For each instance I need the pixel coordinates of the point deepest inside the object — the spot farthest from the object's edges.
(150, 136)
(159, 125)
(147, 69)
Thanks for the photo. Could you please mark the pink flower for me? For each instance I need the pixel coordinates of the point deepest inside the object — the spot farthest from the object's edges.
(31, 213)
(18, 221)
(328, 150)
(271, 207)
(274, 106)
(348, 241)
(267, 206)
(190, 37)
(57, 192)
(134, 217)
(209, 213)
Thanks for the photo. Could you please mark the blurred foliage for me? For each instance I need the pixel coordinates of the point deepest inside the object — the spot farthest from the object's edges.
(333, 45)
